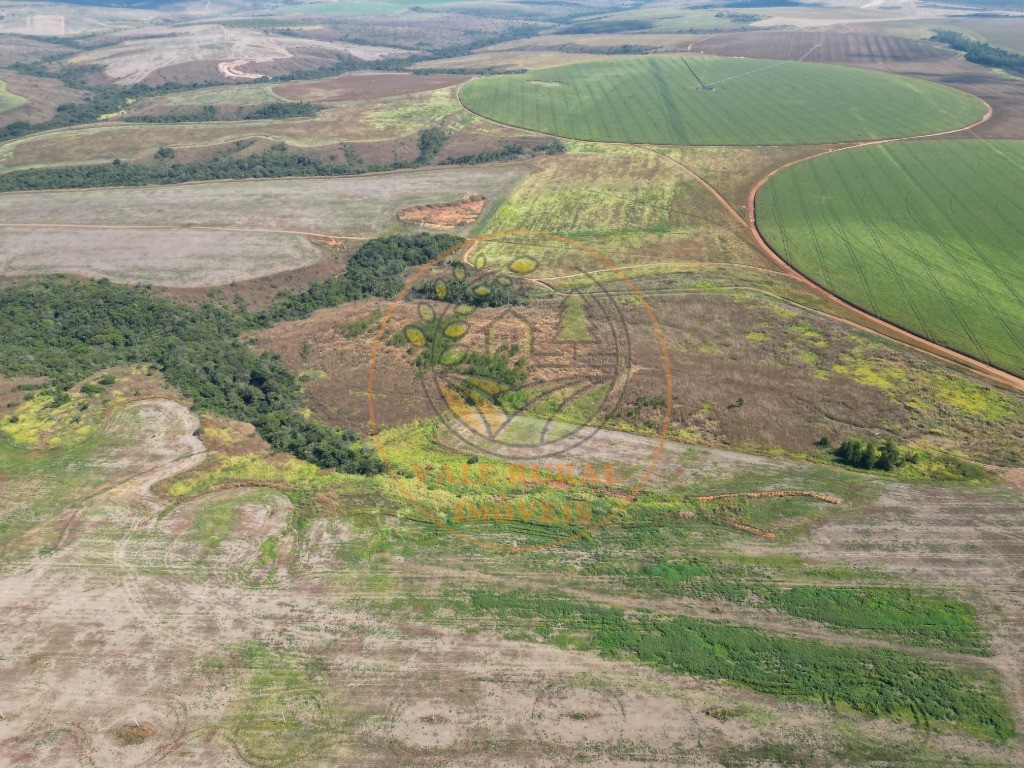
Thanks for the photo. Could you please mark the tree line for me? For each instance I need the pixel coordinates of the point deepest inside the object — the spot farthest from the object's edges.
(277, 110)
(272, 163)
(67, 330)
(978, 52)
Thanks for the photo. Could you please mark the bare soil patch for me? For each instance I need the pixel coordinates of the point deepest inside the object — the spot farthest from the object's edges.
(164, 256)
(447, 216)
(364, 85)
(852, 48)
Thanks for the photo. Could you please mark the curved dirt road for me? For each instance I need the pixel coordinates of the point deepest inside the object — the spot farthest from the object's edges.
(864, 320)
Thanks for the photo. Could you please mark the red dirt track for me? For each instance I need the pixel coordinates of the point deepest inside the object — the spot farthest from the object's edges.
(864, 320)
(872, 322)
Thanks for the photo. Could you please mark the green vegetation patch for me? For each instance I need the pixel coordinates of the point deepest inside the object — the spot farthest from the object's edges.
(9, 100)
(719, 101)
(68, 330)
(919, 619)
(281, 714)
(925, 234)
(871, 680)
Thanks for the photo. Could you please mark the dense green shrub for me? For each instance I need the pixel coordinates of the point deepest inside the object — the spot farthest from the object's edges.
(862, 454)
(278, 110)
(69, 330)
(275, 162)
(375, 269)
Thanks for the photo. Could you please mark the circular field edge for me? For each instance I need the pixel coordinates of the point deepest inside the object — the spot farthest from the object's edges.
(959, 93)
(1002, 377)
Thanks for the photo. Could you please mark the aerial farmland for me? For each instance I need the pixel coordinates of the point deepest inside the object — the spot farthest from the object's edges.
(615, 383)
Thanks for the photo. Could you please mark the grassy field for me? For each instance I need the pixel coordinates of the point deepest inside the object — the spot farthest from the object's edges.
(660, 101)
(633, 205)
(9, 100)
(924, 234)
(365, 121)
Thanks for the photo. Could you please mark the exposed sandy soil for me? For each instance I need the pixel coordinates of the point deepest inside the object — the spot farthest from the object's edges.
(447, 216)
(364, 85)
(134, 55)
(126, 647)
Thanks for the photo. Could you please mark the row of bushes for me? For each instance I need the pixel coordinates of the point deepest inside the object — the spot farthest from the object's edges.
(876, 681)
(277, 110)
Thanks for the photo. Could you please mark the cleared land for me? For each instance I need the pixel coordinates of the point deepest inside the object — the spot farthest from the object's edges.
(632, 204)
(174, 257)
(355, 206)
(165, 250)
(364, 85)
(135, 55)
(857, 48)
(926, 235)
(338, 628)
(717, 101)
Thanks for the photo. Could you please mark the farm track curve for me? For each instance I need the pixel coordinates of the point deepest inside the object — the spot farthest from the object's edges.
(864, 320)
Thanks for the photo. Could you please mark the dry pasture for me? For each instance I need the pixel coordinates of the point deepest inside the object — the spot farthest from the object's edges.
(364, 85)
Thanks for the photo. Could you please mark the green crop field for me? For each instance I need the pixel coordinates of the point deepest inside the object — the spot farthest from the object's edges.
(9, 100)
(926, 234)
(754, 101)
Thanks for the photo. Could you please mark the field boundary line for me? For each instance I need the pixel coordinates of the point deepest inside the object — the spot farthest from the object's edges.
(892, 330)
(875, 325)
(197, 182)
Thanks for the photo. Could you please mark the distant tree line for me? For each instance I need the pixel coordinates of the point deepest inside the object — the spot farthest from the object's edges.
(981, 53)
(272, 163)
(866, 454)
(68, 330)
(101, 100)
(278, 110)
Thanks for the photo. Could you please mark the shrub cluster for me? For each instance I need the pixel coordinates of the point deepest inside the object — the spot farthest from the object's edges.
(866, 454)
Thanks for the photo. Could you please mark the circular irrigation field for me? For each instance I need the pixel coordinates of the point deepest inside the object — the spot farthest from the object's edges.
(710, 100)
(928, 235)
